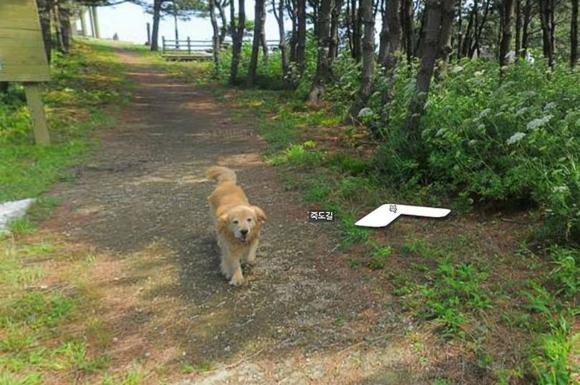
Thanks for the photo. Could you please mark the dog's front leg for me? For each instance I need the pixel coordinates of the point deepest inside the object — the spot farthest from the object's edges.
(231, 268)
(251, 256)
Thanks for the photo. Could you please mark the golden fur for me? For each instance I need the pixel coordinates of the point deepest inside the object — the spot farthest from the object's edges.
(237, 223)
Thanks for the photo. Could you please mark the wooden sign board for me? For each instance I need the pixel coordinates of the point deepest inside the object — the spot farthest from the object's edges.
(23, 58)
(22, 55)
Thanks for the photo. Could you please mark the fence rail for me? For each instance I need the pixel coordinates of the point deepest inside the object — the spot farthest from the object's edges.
(192, 46)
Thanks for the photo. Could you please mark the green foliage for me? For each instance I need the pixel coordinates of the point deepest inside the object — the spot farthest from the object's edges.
(37, 310)
(448, 294)
(551, 361)
(566, 271)
(379, 256)
(83, 84)
(299, 155)
(513, 141)
(504, 143)
(417, 247)
(345, 164)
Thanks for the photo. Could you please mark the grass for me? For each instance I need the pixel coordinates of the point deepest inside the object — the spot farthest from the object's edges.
(470, 294)
(86, 88)
(32, 315)
(44, 330)
(456, 287)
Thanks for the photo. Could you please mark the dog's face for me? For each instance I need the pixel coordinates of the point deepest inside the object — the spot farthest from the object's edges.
(241, 221)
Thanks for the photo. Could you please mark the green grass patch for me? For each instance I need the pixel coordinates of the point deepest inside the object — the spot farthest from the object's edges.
(470, 155)
(85, 87)
(86, 90)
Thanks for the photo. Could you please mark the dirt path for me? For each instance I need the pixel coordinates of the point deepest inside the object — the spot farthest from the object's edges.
(304, 317)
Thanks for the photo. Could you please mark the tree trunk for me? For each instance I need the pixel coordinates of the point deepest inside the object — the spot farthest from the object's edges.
(301, 37)
(355, 18)
(82, 13)
(224, 26)
(237, 38)
(390, 38)
(507, 16)
(407, 21)
(435, 16)
(368, 58)
(279, 16)
(176, 27)
(155, 29)
(348, 26)
(464, 48)
(291, 9)
(44, 13)
(525, 27)
(323, 69)
(479, 31)
(216, 35)
(334, 24)
(259, 20)
(518, 43)
(64, 13)
(547, 22)
(263, 41)
(390, 57)
(574, 34)
(445, 47)
(460, 35)
(95, 17)
(56, 26)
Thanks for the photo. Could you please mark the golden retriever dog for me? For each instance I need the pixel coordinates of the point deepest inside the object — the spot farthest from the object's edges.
(237, 223)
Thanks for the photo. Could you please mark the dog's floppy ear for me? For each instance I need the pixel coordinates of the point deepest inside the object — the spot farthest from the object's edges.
(260, 215)
(222, 221)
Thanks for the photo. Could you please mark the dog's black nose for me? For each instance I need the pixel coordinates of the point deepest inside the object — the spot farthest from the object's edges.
(244, 232)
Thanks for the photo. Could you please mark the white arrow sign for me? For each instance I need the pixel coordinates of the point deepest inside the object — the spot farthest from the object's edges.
(385, 214)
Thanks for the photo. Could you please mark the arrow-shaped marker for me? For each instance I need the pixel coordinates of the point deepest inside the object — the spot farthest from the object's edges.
(385, 214)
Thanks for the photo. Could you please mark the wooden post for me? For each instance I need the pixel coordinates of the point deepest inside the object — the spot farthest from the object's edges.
(163, 44)
(188, 46)
(37, 115)
(148, 34)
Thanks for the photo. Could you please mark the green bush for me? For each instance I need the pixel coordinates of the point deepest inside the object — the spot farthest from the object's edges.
(510, 141)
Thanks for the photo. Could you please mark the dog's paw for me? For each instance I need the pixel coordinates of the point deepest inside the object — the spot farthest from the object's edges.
(237, 280)
(250, 262)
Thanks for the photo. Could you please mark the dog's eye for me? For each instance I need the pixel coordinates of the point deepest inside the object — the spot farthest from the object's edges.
(249, 219)
(236, 222)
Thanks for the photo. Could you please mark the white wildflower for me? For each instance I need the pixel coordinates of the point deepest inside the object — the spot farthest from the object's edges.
(515, 138)
(529, 58)
(539, 122)
(560, 189)
(521, 111)
(484, 113)
(456, 69)
(549, 106)
(510, 56)
(365, 112)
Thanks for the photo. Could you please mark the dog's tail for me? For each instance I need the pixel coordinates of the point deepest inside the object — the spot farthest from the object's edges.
(222, 174)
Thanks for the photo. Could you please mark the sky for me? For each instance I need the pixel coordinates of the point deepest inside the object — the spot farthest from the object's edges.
(129, 22)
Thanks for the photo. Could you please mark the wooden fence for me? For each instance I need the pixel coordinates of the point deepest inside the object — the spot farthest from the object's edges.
(197, 49)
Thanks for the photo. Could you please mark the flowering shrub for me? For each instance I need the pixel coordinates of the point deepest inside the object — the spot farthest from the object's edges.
(512, 141)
